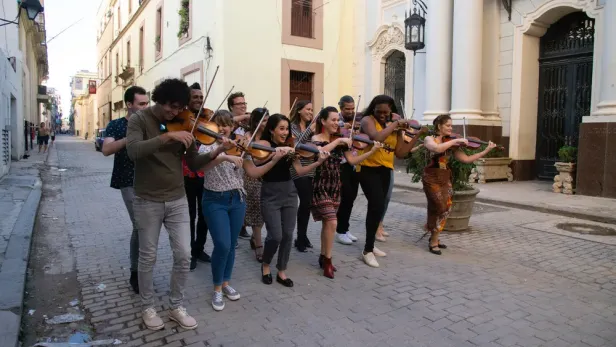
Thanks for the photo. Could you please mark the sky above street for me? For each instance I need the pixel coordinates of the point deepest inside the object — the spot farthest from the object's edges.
(74, 49)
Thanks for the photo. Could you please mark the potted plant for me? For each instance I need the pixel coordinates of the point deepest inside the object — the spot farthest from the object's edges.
(493, 166)
(564, 182)
(184, 13)
(464, 193)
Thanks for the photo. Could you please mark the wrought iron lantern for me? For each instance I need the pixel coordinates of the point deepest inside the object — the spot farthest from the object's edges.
(415, 27)
(32, 8)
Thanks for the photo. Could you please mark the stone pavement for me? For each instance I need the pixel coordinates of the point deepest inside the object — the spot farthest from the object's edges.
(535, 196)
(20, 193)
(512, 280)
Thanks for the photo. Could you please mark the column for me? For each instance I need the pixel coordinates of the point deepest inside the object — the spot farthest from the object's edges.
(607, 89)
(439, 24)
(467, 59)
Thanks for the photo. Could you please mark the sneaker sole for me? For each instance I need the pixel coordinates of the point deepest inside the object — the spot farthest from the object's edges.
(183, 326)
(233, 298)
(218, 309)
(155, 328)
(344, 243)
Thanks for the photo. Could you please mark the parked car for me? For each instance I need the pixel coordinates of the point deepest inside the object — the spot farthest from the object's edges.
(98, 140)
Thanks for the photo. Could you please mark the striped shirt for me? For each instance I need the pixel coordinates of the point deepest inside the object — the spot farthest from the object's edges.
(297, 133)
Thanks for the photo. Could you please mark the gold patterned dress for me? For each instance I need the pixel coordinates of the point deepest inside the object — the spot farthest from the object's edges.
(438, 188)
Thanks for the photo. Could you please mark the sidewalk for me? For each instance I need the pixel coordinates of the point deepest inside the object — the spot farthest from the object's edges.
(20, 193)
(535, 196)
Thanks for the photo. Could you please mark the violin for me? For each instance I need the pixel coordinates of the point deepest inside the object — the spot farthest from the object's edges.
(473, 142)
(304, 150)
(361, 141)
(260, 150)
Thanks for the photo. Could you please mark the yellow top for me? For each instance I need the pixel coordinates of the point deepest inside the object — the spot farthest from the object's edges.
(381, 157)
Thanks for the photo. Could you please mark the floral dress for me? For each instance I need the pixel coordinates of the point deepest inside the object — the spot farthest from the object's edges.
(438, 188)
(326, 186)
(252, 186)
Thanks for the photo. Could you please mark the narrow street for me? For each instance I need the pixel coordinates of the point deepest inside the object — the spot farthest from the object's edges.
(511, 281)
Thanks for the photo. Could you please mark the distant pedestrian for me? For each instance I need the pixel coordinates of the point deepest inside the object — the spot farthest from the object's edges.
(122, 176)
(43, 138)
(53, 137)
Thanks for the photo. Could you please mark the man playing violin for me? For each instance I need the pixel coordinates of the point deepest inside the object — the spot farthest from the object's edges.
(193, 185)
(122, 176)
(160, 197)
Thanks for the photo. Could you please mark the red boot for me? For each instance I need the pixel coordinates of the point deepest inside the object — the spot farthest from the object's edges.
(328, 268)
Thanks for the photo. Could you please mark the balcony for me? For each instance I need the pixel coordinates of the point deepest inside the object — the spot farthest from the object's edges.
(41, 95)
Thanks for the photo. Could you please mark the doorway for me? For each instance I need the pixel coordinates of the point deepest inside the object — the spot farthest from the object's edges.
(395, 66)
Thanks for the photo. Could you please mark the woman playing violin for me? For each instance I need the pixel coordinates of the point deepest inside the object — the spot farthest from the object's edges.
(253, 217)
(326, 184)
(437, 176)
(375, 172)
(301, 117)
(224, 205)
(279, 199)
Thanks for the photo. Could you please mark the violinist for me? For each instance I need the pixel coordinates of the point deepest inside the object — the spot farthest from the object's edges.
(253, 217)
(301, 117)
(437, 176)
(160, 197)
(376, 171)
(348, 176)
(326, 184)
(279, 199)
(193, 185)
(236, 103)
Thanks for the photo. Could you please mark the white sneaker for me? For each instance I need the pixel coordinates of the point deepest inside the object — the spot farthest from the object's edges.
(370, 260)
(351, 237)
(378, 252)
(344, 239)
(180, 316)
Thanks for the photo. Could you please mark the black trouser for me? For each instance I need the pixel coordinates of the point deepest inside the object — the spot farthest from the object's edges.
(303, 185)
(194, 192)
(375, 184)
(348, 193)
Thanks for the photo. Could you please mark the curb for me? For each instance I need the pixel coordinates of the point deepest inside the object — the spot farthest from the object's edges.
(15, 267)
(535, 208)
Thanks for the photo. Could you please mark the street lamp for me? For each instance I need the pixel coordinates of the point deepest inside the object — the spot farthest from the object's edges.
(415, 27)
(32, 7)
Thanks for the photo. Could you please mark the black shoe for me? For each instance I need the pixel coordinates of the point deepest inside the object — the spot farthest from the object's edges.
(193, 263)
(308, 244)
(433, 250)
(244, 233)
(204, 258)
(286, 282)
(134, 281)
(267, 279)
(300, 245)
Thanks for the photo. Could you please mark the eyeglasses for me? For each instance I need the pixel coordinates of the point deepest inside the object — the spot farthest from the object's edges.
(240, 104)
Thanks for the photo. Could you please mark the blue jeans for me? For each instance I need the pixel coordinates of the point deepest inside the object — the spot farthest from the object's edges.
(224, 215)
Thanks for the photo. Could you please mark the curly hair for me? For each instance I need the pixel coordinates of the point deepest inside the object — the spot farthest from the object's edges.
(171, 91)
(440, 120)
(379, 100)
(272, 123)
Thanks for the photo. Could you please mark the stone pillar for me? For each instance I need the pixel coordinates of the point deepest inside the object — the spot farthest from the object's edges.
(439, 24)
(467, 59)
(597, 150)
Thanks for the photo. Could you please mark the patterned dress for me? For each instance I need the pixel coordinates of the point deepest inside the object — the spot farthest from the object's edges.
(438, 188)
(326, 186)
(252, 186)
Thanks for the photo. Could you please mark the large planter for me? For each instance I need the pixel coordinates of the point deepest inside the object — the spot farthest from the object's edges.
(564, 182)
(489, 169)
(461, 210)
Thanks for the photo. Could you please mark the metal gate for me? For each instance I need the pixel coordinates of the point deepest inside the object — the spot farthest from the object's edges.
(565, 83)
(395, 67)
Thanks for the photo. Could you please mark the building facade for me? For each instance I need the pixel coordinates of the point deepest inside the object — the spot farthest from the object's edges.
(531, 75)
(273, 51)
(23, 69)
(84, 101)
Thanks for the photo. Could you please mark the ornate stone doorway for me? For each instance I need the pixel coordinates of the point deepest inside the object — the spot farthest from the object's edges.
(395, 66)
(565, 85)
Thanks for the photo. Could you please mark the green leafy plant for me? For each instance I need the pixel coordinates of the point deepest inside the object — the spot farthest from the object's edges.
(157, 42)
(417, 161)
(567, 154)
(184, 13)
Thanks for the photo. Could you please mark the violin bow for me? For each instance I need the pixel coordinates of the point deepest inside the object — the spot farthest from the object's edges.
(292, 105)
(301, 136)
(223, 101)
(254, 133)
(355, 116)
(207, 92)
(464, 127)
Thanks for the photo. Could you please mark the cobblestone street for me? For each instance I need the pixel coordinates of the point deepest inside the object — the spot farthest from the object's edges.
(513, 280)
